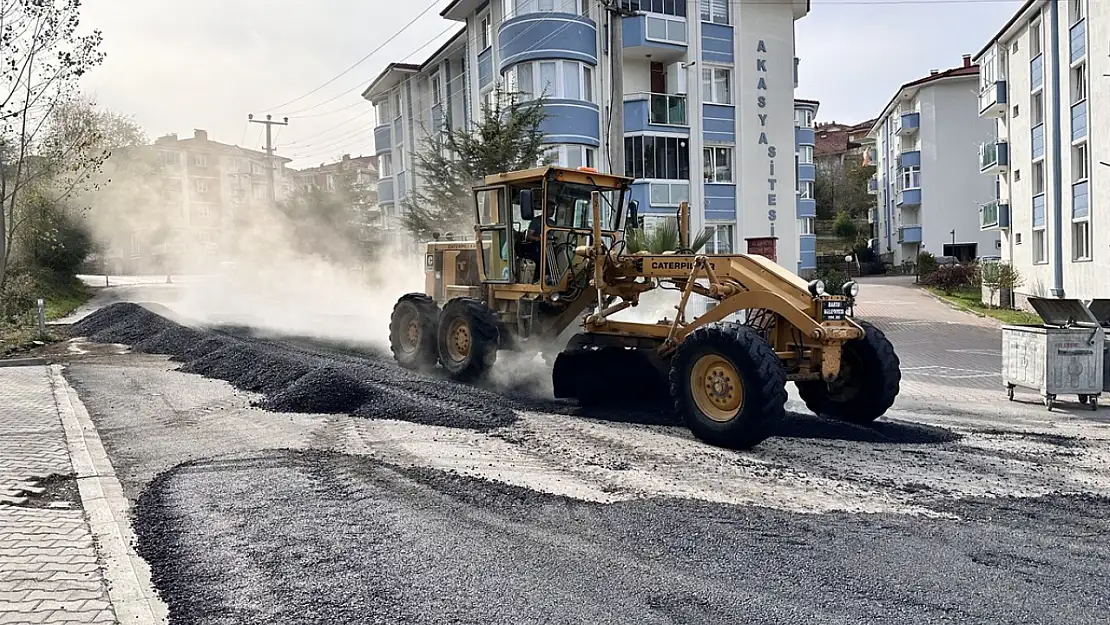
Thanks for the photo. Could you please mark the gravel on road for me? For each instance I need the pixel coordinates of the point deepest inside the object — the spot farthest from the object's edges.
(348, 539)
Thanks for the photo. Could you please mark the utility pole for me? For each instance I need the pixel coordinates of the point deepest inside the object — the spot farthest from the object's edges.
(270, 148)
(617, 10)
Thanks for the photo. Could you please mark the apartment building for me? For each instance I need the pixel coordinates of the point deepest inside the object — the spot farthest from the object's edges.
(202, 193)
(705, 88)
(927, 182)
(359, 170)
(805, 140)
(841, 145)
(1043, 84)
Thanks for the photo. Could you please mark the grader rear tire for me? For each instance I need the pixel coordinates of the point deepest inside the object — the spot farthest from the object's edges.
(468, 339)
(413, 327)
(870, 379)
(729, 385)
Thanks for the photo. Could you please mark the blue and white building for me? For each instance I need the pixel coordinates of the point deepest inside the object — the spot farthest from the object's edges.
(1043, 84)
(805, 140)
(708, 103)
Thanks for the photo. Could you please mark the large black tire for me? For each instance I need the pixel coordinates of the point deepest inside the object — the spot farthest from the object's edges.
(413, 332)
(722, 356)
(468, 338)
(869, 383)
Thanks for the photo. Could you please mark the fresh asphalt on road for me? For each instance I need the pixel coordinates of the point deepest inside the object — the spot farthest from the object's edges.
(247, 520)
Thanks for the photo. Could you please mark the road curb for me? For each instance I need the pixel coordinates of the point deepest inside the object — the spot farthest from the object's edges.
(23, 362)
(957, 308)
(129, 582)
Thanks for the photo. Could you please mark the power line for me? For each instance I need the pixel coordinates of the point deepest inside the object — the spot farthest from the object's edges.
(362, 60)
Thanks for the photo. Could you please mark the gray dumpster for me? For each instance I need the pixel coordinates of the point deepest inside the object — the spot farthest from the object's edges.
(1100, 308)
(1062, 356)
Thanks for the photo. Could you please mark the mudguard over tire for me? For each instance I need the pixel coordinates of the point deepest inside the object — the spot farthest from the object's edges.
(468, 338)
(413, 331)
(729, 385)
(869, 383)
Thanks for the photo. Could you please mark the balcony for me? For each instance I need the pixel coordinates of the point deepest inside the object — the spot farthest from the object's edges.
(994, 215)
(1036, 72)
(909, 234)
(909, 158)
(1079, 120)
(993, 100)
(655, 111)
(908, 124)
(383, 139)
(1077, 41)
(656, 36)
(1036, 141)
(994, 157)
(908, 198)
(873, 185)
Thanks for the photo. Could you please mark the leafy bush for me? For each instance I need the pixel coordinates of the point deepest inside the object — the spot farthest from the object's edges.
(926, 264)
(17, 299)
(64, 247)
(844, 227)
(951, 278)
(999, 276)
(833, 278)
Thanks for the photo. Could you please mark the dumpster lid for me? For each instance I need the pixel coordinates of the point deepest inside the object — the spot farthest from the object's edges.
(1100, 308)
(1062, 312)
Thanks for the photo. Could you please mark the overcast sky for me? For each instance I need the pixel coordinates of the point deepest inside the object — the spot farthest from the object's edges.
(206, 64)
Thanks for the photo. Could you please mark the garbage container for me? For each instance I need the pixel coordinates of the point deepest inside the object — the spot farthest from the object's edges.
(1100, 309)
(1062, 356)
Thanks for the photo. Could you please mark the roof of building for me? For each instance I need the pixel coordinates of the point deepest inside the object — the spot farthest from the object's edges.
(369, 162)
(965, 70)
(200, 141)
(1008, 25)
(385, 80)
(833, 138)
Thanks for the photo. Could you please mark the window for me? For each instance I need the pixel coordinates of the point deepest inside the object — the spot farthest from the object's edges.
(331, 182)
(805, 226)
(1078, 84)
(669, 193)
(721, 241)
(485, 32)
(437, 89)
(665, 7)
(200, 160)
(1036, 103)
(1040, 253)
(805, 154)
(489, 100)
(400, 158)
(715, 11)
(1081, 240)
(716, 85)
(201, 186)
(514, 8)
(1080, 163)
(805, 190)
(803, 118)
(666, 158)
(1034, 39)
(911, 177)
(1076, 11)
(381, 112)
(1016, 111)
(397, 104)
(665, 29)
(1038, 178)
(171, 158)
(718, 164)
(572, 156)
(554, 79)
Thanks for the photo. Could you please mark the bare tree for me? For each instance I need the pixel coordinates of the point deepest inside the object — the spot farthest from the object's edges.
(42, 58)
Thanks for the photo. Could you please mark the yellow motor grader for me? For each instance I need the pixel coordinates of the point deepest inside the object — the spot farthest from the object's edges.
(550, 250)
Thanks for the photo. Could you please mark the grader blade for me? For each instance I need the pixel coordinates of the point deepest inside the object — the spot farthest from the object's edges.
(608, 375)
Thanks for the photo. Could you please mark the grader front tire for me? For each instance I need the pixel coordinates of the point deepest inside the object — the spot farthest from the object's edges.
(468, 339)
(869, 383)
(729, 385)
(413, 327)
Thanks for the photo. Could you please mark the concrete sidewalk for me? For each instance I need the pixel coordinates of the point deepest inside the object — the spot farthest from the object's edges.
(65, 540)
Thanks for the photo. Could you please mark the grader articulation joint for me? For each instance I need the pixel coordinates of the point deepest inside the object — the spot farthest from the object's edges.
(552, 248)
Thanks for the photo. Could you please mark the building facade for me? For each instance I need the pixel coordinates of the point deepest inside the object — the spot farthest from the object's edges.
(841, 145)
(706, 84)
(1043, 85)
(927, 181)
(805, 114)
(189, 210)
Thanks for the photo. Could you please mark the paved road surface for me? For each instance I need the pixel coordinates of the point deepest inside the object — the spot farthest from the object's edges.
(935, 515)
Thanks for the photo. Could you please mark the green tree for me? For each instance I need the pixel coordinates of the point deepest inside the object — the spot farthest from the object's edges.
(843, 188)
(845, 229)
(41, 165)
(664, 237)
(507, 137)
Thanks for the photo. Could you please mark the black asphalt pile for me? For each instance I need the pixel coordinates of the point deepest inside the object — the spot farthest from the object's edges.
(293, 377)
(343, 393)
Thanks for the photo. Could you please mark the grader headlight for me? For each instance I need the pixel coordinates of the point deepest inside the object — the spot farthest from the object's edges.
(817, 288)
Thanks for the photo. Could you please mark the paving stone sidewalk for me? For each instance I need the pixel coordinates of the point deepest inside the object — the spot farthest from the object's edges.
(49, 571)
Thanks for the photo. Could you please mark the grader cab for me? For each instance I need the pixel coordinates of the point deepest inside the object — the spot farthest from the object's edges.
(550, 250)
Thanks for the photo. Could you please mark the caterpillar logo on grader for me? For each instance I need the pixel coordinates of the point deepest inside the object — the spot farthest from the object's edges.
(549, 251)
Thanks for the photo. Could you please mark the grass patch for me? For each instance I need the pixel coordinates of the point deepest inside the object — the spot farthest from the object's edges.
(971, 301)
(61, 294)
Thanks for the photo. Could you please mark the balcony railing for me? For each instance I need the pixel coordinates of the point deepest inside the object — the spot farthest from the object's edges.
(873, 184)
(667, 109)
(908, 123)
(994, 214)
(993, 99)
(994, 157)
